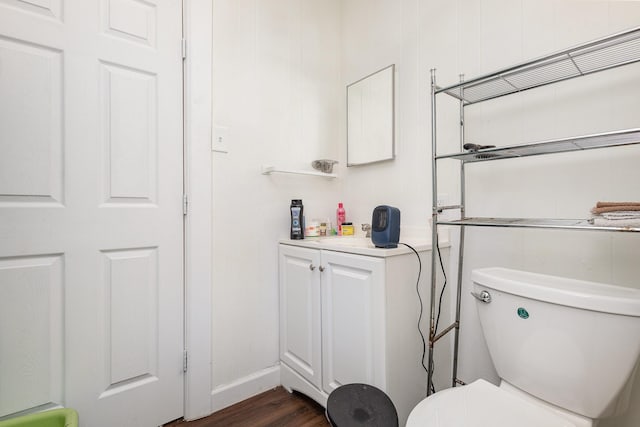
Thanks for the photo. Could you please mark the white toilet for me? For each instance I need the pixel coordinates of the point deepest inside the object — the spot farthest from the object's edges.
(565, 350)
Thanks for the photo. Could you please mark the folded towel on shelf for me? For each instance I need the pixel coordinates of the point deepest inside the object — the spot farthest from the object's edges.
(621, 215)
(609, 204)
(627, 223)
(602, 207)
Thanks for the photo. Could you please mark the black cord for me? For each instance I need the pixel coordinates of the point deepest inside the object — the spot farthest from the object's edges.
(424, 341)
(443, 286)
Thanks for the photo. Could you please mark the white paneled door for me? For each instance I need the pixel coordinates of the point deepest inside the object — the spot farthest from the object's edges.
(91, 222)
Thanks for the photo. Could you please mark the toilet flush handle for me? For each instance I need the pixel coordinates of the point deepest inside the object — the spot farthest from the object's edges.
(483, 296)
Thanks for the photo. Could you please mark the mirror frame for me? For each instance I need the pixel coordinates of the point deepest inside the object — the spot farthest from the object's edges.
(390, 144)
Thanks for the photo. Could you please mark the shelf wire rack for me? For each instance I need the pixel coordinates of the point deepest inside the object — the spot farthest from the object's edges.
(599, 55)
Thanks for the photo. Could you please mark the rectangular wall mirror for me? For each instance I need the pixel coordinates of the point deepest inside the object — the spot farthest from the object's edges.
(370, 118)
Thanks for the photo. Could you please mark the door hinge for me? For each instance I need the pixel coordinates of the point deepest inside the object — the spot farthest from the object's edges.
(185, 361)
(184, 48)
(185, 204)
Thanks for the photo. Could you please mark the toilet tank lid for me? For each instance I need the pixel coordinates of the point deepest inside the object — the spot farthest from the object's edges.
(559, 290)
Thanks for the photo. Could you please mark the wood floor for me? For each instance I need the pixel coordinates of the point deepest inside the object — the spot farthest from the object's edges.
(274, 408)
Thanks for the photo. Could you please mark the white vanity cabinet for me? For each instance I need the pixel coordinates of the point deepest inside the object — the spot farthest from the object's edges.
(347, 318)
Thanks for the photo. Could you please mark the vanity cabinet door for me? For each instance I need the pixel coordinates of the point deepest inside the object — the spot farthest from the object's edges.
(300, 311)
(353, 320)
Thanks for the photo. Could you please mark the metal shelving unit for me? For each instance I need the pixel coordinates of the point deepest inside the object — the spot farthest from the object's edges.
(592, 57)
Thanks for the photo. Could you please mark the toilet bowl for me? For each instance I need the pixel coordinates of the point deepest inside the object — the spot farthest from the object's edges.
(482, 404)
(565, 351)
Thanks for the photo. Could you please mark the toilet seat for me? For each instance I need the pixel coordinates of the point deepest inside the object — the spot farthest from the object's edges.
(481, 404)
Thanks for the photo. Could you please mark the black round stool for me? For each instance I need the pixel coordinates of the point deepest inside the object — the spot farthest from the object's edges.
(356, 405)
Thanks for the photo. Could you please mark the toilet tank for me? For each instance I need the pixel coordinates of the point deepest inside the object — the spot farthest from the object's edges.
(572, 343)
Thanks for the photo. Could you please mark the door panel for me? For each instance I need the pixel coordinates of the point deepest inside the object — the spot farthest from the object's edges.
(130, 121)
(91, 274)
(31, 126)
(300, 311)
(352, 320)
(46, 8)
(31, 334)
(132, 311)
(130, 20)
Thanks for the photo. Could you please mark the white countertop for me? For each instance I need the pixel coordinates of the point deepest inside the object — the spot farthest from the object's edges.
(362, 245)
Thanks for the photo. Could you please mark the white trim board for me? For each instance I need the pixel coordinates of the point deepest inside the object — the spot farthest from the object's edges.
(198, 29)
(244, 388)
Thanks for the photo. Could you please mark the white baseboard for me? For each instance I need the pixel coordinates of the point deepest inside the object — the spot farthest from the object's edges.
(244, 388)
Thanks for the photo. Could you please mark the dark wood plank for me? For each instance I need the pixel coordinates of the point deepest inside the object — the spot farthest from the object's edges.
(273, 408)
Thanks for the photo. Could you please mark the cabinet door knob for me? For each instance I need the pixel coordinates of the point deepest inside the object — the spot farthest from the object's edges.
(312, 267)
(321, 268)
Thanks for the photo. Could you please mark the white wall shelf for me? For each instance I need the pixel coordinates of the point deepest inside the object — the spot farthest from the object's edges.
(268, 170)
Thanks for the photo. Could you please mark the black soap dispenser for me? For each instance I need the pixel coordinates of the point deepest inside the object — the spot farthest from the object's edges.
(297, 229)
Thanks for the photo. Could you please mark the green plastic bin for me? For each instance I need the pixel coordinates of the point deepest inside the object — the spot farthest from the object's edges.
(53, 418)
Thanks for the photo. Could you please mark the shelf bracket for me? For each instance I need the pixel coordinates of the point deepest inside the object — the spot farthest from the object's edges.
(451, 327)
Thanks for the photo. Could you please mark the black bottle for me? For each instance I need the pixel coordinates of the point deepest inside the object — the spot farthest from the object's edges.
(297, 229)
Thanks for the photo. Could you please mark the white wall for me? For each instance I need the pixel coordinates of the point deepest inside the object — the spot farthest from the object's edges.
(474, 37)
(376, 34)
(280, 68)
(276, 88)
